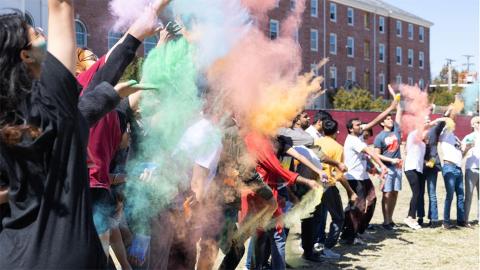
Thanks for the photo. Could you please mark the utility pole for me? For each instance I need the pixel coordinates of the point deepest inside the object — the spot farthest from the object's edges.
(449, 66)
(468, 64)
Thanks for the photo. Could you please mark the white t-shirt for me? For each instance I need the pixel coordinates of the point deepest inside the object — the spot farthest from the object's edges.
(415, 149)
(473, 155)
(313, 132)
(450, 146)
(203, 142)
(355, 159)
(309, 154)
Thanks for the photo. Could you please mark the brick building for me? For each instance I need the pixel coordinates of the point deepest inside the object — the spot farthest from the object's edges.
(369, 42)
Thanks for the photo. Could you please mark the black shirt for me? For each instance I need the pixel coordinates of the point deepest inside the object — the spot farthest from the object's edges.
(49, 223)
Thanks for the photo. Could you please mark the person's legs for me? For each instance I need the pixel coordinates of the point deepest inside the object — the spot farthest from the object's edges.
(421, 199)
(277, 243)
(393, 203)
(388, 188)
(309, 226)
(431, 177)
(370, 202)
(469, 188)
(459, 190)
(322, 223)
(449, 179)
(333, 203)
(413, 181)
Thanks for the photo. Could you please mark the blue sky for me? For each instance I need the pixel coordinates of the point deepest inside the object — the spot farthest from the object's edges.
(455, 31)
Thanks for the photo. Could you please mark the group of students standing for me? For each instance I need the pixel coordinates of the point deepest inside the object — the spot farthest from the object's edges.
(65, 141)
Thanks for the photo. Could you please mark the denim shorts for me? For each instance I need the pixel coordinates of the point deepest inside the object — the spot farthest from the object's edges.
(393, 179)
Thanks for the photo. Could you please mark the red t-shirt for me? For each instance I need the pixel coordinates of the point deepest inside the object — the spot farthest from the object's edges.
(104, 137)
(269, 168)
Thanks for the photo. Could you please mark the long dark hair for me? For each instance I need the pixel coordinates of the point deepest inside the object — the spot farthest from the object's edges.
(15, 81)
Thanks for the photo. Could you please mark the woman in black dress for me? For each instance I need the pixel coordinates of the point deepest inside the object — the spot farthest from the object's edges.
(45, 211)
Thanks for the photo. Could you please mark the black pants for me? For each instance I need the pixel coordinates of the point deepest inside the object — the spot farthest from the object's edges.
(359, 213)
(332, 201)
(309, 230)
(415, 180)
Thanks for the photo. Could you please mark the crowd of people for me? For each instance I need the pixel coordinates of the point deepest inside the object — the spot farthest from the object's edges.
(69, 130)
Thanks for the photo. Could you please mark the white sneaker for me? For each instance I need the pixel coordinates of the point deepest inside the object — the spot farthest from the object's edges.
(412, 223)
(329, 254)
(359, 241)
(318, 247)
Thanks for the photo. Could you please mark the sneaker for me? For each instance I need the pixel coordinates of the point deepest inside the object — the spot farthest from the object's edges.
(412, 223)
(464, 224)
(312, 258)
(358, 241)
(387, 227)
(318, 247)
(420, 221)
(329, 254)
(449, 226)
(371, 227)
(394, 225)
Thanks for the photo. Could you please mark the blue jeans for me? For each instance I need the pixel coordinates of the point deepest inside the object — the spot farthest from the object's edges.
(453, 177)
(277, 242)
(321, 236)
(430, 177)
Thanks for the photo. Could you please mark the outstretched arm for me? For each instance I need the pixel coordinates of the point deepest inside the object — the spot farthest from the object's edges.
(379, 117)
(61, 41)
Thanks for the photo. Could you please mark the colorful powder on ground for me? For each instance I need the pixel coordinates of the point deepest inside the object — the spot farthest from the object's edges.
(416, 108)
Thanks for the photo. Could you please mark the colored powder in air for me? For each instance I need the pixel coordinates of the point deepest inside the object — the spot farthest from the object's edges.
(471, 95)
(126, 12)
(213, 26)
(167, 112)
(416, 108)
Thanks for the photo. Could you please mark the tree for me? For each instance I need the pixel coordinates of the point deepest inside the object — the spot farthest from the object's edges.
(441, 96)
(443, 75)
(358, 99)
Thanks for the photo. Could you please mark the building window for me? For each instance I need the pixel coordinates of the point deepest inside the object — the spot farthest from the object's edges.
(410, 31)
(381, 52)
(113, 38)
(421, 84)
(314, 69)
(399, 28)
(80, 34)
(333, 77)
(351, 74)
(421, 60)
(366, 20)
(398, 55)
(410, 57)
(333, 43)
(421, 33)
(333, 12)
(381, 24)
(292, 4)
(274, 29)
(366, 49)
(350, 16)
(149, 44)
(399, 79)
(314, 8)
(410, 81)
(350, 47)
(381, 86)
(313, 40)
